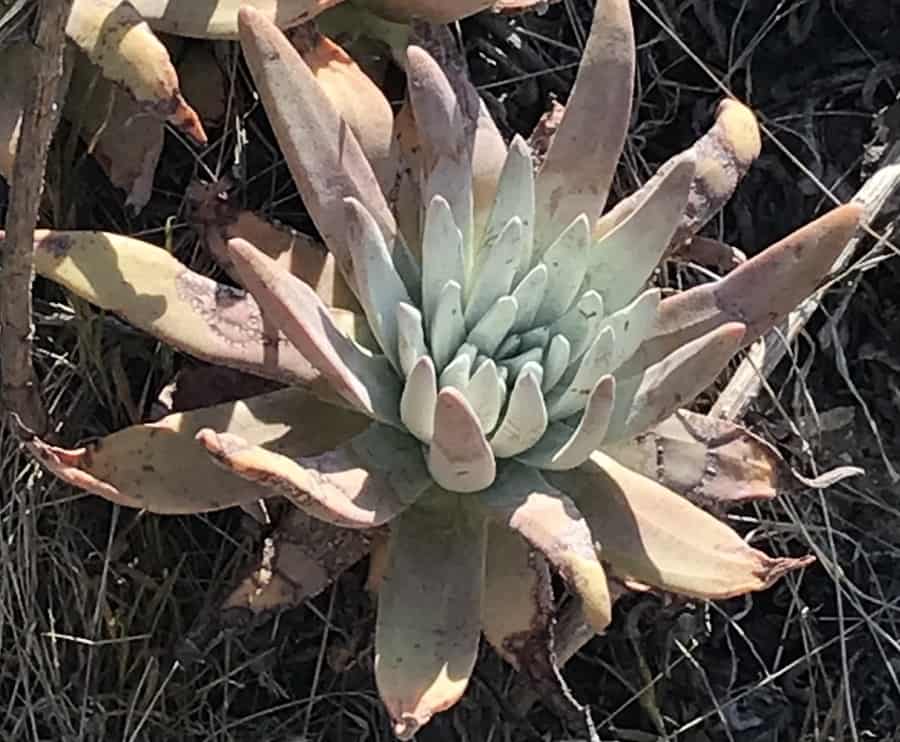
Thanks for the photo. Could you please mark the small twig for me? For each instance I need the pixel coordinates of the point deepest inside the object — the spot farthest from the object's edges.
(21, 397)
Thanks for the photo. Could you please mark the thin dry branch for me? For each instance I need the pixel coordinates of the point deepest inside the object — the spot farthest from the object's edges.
(21, 396)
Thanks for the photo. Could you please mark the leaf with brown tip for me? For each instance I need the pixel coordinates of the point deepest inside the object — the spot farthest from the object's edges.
(325, 158)
(118, 40)
(517, 609)
(710, 461)
(429, 608)
(759, 293)
(650, 534)
(162, 468)
(460, 458)
(364, 380)
(577, 172)
(526, 503)
(364, 483)
(723, 156)
(150, 289)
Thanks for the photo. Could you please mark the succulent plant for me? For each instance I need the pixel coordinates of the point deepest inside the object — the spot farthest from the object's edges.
(496, 358)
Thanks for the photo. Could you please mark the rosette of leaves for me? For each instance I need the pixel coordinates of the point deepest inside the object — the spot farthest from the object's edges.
(476, 370)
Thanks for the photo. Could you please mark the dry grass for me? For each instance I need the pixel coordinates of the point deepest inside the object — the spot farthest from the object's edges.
(96, 601)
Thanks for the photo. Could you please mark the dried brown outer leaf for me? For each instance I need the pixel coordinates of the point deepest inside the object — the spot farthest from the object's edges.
(305, 257)
(116, 38)
(122, 138)
(524, 502)
(651, 534)
(12, 101)
(149, 288)
(710, 461)
(519, 6)
(364, 483)
(218, 19)
(326, 160)
(429, 608)
(301, 558)
(759, 293)
(577, 172)
(353, 94)
(517, 610)
(162, 468)
(723, 155)
(405, 190)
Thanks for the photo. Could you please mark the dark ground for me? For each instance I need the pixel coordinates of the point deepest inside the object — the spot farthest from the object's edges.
(94, 601)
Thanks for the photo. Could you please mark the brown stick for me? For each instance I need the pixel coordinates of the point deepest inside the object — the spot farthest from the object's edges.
(20, 394)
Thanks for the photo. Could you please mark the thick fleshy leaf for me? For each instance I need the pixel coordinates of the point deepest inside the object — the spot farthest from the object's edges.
(491, 329)
(448, 143)
(419, 398)
(433, 11)
(305, 257)
(380, 288)
(442, 254)
(622, 261)
(569, 395)
(760, 293)
(160, 466)
(517, 609)
(632, 325)
(529, 295)
(354, 95)
(559, 351)
(515, 198)
(580, 324)
(723, 155)
(411, 337)
(708, 460)
(364, 483)
(566, 261)
(460, 458)
(485, 395)
(523, 501)
(448, 329)
(577, 172)
(561, 447)
(494, 276)
(525, 419)
(648, 398)
(650, 534)
(325, 158)
(364, 380)
(429, 608)
(149, 288)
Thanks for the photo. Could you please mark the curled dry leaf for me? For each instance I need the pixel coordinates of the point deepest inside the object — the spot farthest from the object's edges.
(710, 461)
(118, 40)
(124, 139)
(160, 466)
